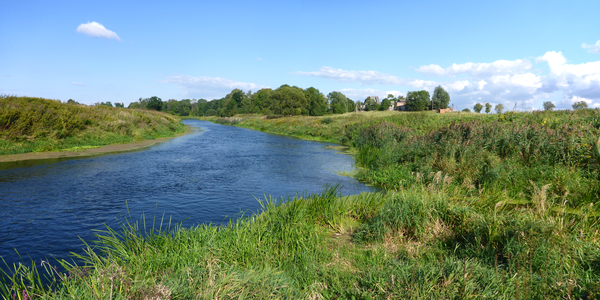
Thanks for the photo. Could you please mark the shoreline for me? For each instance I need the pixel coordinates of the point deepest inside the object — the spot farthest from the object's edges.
(106, 149)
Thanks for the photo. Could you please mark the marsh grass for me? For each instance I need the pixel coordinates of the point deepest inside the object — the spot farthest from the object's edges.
(36, 125)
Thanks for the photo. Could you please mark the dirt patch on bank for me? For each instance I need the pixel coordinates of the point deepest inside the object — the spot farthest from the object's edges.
(89, 152)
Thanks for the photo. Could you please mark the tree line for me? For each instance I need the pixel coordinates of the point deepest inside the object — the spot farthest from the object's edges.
(548, 106)
(287, 100)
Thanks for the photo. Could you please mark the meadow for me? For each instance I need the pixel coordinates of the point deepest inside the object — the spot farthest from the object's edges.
(474, 206)
(37, 125)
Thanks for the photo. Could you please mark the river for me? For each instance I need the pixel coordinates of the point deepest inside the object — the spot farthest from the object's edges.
(208, 176)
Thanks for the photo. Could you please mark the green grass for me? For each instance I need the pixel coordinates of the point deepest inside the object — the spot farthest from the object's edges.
(37, 125)
(476, 206)
(420, 243)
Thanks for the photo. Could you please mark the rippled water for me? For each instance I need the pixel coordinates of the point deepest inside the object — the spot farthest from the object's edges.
(206, 176)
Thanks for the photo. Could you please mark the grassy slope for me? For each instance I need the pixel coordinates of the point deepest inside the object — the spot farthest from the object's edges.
(451, 226)
(37, 125)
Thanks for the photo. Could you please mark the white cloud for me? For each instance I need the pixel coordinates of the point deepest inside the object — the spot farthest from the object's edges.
(579, 99)
(95, 29)
(581, 80)
(422, 84)
(456, 85)
(595, 48)
(77, 83)
(368, 78)
(209, 87)
(363, 77)
(499, 67)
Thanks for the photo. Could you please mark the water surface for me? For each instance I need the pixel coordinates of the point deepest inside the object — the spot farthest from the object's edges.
(206, 177)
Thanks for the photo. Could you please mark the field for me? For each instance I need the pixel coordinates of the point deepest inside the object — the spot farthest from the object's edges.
(38, 125)
(499, 206)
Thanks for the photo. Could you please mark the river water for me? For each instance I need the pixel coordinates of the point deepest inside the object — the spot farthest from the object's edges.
(207, 176)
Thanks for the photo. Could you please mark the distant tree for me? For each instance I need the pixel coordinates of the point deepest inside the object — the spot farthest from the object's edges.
(549, 105)
(229, 109)
(289, 100)
(385, 104)
(488, 108)
(339, 103)
(466, 110)
(499, 108)
(417, 101)
(262, 99)
(580, 105)
(153, 103)
(119, 104)
(371, 104)
(440, 98)
(71, 101)
(134, 105)
(478, 107)
(317, 105)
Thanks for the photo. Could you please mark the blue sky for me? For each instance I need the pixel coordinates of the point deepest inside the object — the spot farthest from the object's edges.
(480, 51)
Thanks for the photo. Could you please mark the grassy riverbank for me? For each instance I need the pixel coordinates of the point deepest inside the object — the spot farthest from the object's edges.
(478, 206)
(37, 125)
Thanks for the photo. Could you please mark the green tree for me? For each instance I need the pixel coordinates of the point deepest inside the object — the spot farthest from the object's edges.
(262, 99)
(385, 104)
(549, 105)
(499, 108)
(478, 107)
(290, 100)
(440, 98)
(371, 104)
(417, 101)
(154, 103)
(488, 108)
(229, 109)
(119, 104)
(339, 103)
(466, 110)
(580, 105)
(317, 104)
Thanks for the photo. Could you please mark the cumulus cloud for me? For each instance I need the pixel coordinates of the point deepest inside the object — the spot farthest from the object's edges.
(363, 77)
(580, 80)
(367, 78)
(499, 67)
(519, 81)
(95, 29)
(595, 48)
(209, 87)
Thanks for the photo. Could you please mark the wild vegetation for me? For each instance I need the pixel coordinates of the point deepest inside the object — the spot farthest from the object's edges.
(35, 125)
(476, 206)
